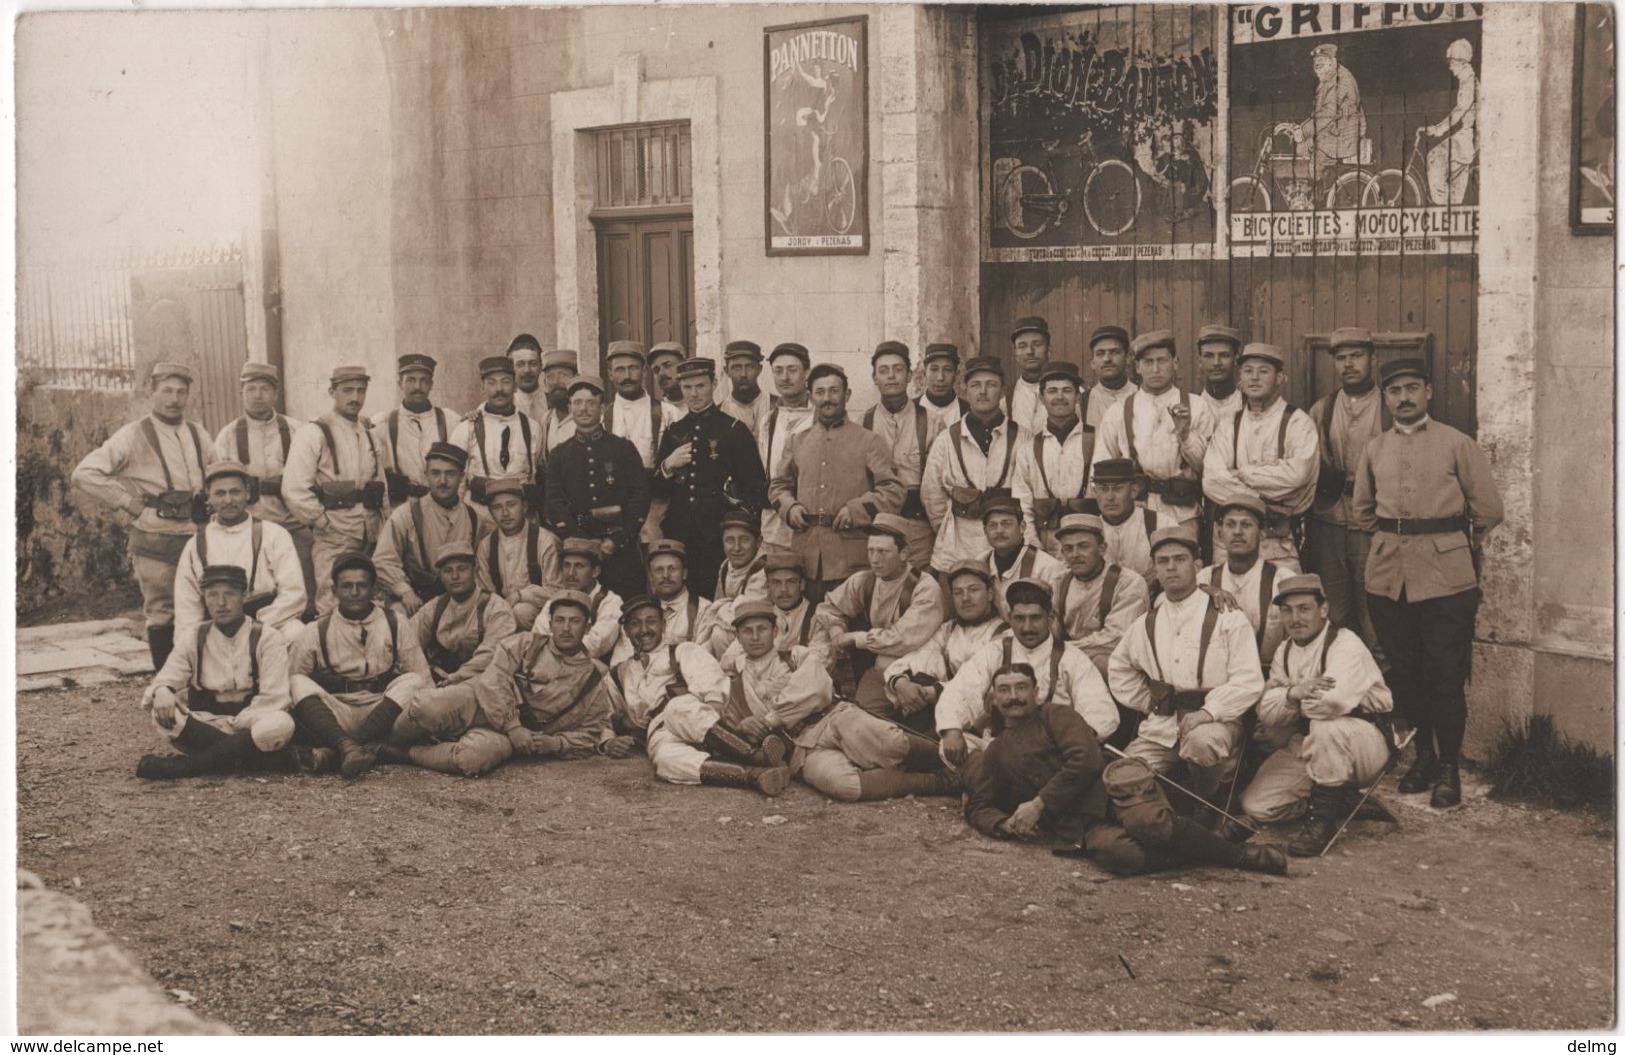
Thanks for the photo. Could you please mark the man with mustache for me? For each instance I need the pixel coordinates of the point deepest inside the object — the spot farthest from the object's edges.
(501, 443)
(1161, 430)
(914, 682)
(459, 630)
(792, 412)
(413, 427)
(1216, 348)
(639, 418)
(408, 552)
(528, 396)
(1052, 472)
(664, 359)
(558, 424)
(972, 460)
(1108, 363)
(745, 400)
(1244, 575)
(1029, 345)
(1099, 600)
(274, 582)
(1128, 527)
(905, 427)
(1426, 490)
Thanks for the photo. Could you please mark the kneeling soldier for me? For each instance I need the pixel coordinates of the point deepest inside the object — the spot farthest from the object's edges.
(1012, 556)
(914, 682)
(265, 551)
(408, 551)
(1045, 773)
(1097, 603)
(222, 695)
(460, 629)
(355, 669)
(519, 561)
(1327, 694)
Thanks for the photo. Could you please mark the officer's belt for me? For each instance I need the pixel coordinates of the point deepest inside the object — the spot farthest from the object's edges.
(228, 702)
(820, 520)
(338, 684)
(1423, 525)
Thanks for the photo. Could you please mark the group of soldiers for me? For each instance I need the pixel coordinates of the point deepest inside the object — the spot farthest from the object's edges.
(1083, 608)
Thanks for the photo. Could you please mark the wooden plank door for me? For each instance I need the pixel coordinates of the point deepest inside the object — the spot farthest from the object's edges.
(646, 281)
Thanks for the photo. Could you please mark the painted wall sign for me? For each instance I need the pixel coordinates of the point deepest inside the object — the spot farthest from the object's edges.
(1251, 23)
(816, 80)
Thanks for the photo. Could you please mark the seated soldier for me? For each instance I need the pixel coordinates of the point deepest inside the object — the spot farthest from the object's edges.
(671, 702)
(578, 571)
(542, 696)
(688, 615)
(222, 695)
(914, 682)
(265, 551)
(1247, 579)
(1044, 773)
(880, 614)
(1128, 526)
(1097, 602)
(459, 630)
(519, 561)
(1012, 555)
(408, 551)
(1327, 697)
(1191, 669)
(743, 573)
(1065, 675)
(792, 612)
(354, 669)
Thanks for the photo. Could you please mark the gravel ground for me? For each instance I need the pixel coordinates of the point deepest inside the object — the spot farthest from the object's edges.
(585, 897)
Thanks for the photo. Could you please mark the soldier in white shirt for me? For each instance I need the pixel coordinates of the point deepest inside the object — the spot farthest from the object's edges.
(459, 630)
(1191, 670)
(274, 581)
(1029, 346)
(940, 399)
(905, 427)
(559, 367)
(791, 413)
(1327, 696)
(637, 417)
(408, 552)
(519, 561)
(1108, 365)
(1245, 575)
(688, 616)
(1012, 554)
(664, 359)
(501, 442)
(1098, 600)
(1162, 430)
(746, 400)
(1216, 349)
(742, 576)
(914, 682)
(1128, 526)
(580, 562)
(413, 428)
(971, 460)
(1268, 450)
(1052, 471)
(528, 397)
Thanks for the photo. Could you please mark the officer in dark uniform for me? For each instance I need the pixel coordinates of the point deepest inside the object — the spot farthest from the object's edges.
(597, 489)
(707, 464)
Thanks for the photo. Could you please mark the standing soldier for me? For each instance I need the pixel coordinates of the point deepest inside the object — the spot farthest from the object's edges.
(1348, 420)
(558, 424)
(792, 412)
(519, 561)
(941, 399)
(501, 443)
(1268, 450)
(1216, 348)
(1029, 341)
(1108, 362)
(153, 470)
(412, 428)
(746, 399)
(458, 630)
(637, 417)
(261, 440)
(528, 397)
(904, 426)
(971, 460)
(272, 577)
(1427, 492)
(334, 479)
(1099, 600)
(687, 615)
(664, 359)
(1052, 473)
(1162, 431)
(1128, 527)
(707, 465)
(408, 553)
(599, 490)
(833, 479)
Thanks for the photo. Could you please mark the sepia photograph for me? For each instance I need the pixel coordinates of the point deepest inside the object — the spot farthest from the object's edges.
(792, 519)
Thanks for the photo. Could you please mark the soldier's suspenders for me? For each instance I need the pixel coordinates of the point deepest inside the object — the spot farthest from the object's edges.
(1128, 425)
(921, 422)
(440, 611)
(1266, 594)
(1287, 410)
(866, 593)
(256, 534)
(394, 644)
(333, 450)
(240, 431)
(254, 654)
(533, 564)
(524, 431)
(1054, 665)
(151, 433)
(752, 568)
(1209, 621)
(423, 539)
(1325, 652)
(956, 437)
(1108, 592)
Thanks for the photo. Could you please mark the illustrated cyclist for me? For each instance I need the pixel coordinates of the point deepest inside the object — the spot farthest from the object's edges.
(811, 118)
(1337, 125)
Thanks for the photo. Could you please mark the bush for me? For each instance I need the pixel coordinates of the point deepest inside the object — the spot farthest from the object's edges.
(1536, 763)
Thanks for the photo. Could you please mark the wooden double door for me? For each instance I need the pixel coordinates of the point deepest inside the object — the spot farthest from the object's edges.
(646, 281)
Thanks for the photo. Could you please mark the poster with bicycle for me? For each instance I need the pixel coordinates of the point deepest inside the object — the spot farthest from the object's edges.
(1353, 129)
(816, 154)
(1100, 134)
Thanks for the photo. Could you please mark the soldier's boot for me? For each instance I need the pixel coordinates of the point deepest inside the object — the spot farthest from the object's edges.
(1262, 857)
(160, 643)
(769, 781)
(728, 742)
(1190, 842)
(1423, 772)
(314, 717)
(295, 758)
(1328, 805)
(205, 750)
(1447, 788)
(924, 754)
(1372, 809)
(370, 736)
(876, 784)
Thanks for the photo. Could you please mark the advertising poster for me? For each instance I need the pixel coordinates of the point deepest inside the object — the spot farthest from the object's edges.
(1353, 129)
(1100, 134)
(1593, 181)
(817, 149)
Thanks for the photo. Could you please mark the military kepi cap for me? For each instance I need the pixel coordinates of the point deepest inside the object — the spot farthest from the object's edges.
(259, 372)
(224, 467)
(626, 350)
(667, 348)
(699, 366)
(1261, 350)
(1001, 504)
(634, 604)
(1307, 583)
(889, 524)
(897, 348)
(565, 357)
(503, 485)
(667, 547)
(743, 350)
(590, 548)
(457, 550)
(353, 560)
(341, 374)
(574, 598)
(1102, 333)
(414, 361)
(496, 364)
(1350, 336)
(588, 381)
(1076, 523)
(1113, 471)
(1060, 370)
(791, 348)
(170, 369)
(1404, 368)
(1182, 534)
(742, 518)
(1218, 333)
(448, 452)
(942, 350)
(971, 567)
(1253, 505)
(753, 609)
(224, 575)
(1030, 591)
(984, 364)
(1030, 324)
(784, 562)
(1145, 342)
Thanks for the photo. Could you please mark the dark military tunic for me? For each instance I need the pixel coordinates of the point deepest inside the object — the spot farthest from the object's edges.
(585, 474)
(726, 473)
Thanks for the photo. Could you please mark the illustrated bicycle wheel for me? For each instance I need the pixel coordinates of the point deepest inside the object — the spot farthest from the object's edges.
(1349, 190)
(1392, 189)
(843, 196)
(1024, 182)
(1248, 194)
(1111, 197)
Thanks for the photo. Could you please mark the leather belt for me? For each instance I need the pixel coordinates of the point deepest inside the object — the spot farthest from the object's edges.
(820, 519)
(1423, 525)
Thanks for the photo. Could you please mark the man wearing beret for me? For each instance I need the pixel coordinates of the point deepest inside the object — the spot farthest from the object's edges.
(1012, 556)
(1162, 430)
(832, 481)
(791, 412)
(707, 464)
(458, 630)
(221, 697)
(1052, 472)
(266, 553)
(1243, 574)
(1192, 670)
(1268, 450)
(334, 479)
(1029, 345)
(152, 469)
(413, 427)
(261, 440)
(971, 460)
(1348, 420)
(1128, 526)
(355, 669)
(528, 398)
(559, 368)
(1426, 490)
(597, 489)
(408, 553)
(880, 613)
(904, 426)
(914, 681)
(500, 442)
(1327, 705)
(518, 561)
(940, 399)
(1216, 350)
(746, 399)
(1108, 364)
(1098, 600)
